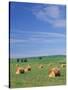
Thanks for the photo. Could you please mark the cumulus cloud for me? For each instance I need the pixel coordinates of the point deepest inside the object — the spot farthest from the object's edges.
(50, 14)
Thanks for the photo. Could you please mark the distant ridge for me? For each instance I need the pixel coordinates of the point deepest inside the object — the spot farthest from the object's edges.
(42, 56)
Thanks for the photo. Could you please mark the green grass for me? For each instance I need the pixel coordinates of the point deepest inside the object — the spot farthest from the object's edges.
(37, 77)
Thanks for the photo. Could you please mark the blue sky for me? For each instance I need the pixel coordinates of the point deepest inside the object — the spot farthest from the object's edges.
(37, 29)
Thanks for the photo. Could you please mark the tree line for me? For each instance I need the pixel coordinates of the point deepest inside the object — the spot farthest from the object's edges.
(22, 60)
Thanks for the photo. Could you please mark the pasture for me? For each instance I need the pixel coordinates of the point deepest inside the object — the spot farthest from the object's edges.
(38, 76)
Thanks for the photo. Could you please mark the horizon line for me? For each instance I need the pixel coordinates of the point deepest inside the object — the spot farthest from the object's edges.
(37, 56)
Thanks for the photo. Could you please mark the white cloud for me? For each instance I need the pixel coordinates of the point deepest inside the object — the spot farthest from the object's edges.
(51, 14)
(36, 37)
(17, 40)
(52, 11)
(59, 23)
(38, 33)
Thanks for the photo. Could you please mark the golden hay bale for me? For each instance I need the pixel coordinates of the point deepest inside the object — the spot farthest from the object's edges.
(63, 65)
(19, 69)
(40, 66)
(54, 72)
(29, 68)
(26, 69)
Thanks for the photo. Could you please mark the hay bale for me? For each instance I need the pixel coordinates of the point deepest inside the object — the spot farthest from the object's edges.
(29, 67)
(21, 70)
(40, 66)
(63, 65)
(54, 72)
(26, 69)
(17, 69)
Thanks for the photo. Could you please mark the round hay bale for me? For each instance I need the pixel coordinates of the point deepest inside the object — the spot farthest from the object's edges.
(29, 67)
(54, 72)
(63, 65)
(41, 66)
(18, 72)
(21, 70)
(26, 69)
(17, 69)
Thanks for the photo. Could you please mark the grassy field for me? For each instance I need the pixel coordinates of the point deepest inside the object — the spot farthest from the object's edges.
(37, 77)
